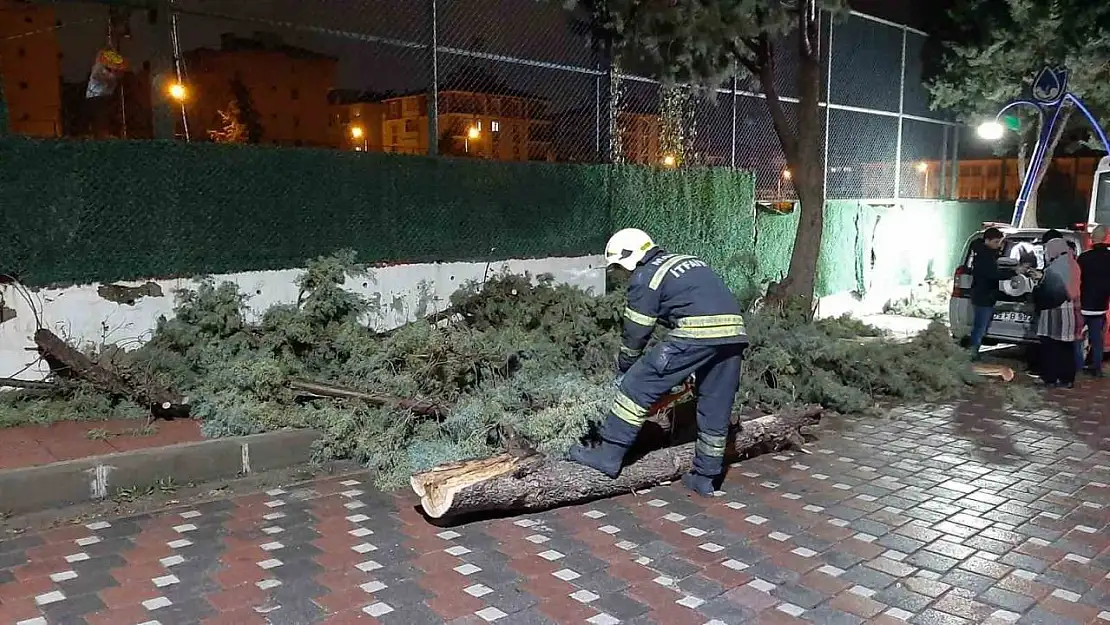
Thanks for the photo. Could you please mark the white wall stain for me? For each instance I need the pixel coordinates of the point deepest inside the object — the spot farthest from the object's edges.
(81, 316)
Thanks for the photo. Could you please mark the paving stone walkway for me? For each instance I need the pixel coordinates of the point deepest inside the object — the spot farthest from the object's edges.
(943, 516)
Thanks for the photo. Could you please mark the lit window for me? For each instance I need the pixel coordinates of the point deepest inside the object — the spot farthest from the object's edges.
(478, 124)
(495, 126)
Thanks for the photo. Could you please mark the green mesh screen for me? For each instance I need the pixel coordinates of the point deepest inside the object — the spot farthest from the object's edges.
(707, 212)
(78, 212)
(870, 245)
(97, 211)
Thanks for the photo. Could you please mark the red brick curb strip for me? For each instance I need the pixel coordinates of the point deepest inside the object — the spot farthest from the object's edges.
(60, 484)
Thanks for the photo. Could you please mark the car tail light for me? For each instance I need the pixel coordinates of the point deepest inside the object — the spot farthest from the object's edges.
(958, 279)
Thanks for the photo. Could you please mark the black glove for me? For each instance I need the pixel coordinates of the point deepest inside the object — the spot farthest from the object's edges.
(625, 362)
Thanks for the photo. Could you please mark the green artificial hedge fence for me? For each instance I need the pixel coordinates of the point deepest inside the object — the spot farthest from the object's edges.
(77, 212)
(80, 212)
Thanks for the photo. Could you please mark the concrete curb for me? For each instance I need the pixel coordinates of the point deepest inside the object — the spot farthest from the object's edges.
(33, 489)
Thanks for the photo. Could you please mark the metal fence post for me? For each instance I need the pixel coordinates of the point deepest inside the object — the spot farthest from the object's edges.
(901, 120)
(606, 89)
(828, 107)
(942, 188)
(735, 112)
(433, 86)
(954, 193)
(161, 69)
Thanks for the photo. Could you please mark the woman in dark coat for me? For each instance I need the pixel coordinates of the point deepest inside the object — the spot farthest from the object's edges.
(1058, 322)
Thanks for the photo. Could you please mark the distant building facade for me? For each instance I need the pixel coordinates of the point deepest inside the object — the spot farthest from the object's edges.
(288, 87)
(356, 120)
(30, 67)
(503, 125)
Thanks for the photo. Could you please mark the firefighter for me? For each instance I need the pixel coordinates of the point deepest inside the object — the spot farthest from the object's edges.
(706, 341)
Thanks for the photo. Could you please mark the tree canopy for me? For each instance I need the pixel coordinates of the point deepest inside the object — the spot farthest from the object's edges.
(992, 51)
(702, 43)
(694, 41)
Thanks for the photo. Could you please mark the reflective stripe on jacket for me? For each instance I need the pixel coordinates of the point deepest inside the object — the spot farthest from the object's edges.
(684, 295)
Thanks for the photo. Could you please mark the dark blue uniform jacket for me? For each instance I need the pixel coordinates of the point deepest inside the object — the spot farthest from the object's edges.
(683, 294)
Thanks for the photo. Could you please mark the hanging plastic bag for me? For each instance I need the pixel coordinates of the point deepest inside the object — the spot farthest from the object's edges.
(105, 75)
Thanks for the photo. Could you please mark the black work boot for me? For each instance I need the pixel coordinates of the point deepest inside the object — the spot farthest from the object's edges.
(700, 484)
(606, 457)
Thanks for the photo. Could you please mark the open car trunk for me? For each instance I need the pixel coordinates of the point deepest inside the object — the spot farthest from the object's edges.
(1014, 313)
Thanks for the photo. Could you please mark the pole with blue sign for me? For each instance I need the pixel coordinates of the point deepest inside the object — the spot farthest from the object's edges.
(1049, 96)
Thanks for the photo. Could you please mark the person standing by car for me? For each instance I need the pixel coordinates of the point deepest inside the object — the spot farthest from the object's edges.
(984, 285)
(1058, 320)
(1094, 295)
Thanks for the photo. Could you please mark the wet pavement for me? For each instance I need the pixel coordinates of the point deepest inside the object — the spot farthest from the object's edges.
(938, 516)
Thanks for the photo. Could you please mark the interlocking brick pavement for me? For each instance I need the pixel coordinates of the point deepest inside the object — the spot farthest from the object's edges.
(938, 515)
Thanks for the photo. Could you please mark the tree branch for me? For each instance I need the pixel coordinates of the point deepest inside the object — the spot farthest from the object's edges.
(810, 30)
(749, 65)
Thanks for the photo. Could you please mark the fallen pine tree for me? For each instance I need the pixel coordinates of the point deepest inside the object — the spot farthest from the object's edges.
(514, 483)
(521, 363)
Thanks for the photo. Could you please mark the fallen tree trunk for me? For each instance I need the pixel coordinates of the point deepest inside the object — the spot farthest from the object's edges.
(435, 318)
(28, 384)
(508, 483)
(316, 389)
(67, 362)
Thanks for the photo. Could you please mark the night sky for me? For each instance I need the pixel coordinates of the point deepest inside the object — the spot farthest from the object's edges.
(538, 32)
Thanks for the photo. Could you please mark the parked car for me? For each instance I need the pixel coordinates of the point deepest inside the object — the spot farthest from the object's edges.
(1014, 313)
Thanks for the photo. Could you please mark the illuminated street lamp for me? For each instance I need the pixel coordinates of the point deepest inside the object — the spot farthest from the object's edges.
(991, 131)
(358, 133)
(786, 176)
(668, 161)
(178, 92)
(1049, 95)
(471, 133)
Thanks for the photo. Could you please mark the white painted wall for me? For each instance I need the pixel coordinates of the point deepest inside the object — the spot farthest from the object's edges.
(80, 315)
(873, 303)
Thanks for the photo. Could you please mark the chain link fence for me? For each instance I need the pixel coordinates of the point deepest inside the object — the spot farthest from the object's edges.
(507, 80)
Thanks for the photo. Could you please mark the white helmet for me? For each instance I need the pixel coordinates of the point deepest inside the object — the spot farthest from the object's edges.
(627, 248)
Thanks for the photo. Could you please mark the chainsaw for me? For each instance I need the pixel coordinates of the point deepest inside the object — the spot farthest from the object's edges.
(677, 395)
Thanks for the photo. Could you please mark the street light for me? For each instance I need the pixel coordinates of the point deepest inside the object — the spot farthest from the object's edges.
(178, 92)
(358, 133)
(786, 176)
(471, 133)
(991, 131)
(668, 161)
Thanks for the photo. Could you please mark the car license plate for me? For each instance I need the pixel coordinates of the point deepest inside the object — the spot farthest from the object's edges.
(1015, 317)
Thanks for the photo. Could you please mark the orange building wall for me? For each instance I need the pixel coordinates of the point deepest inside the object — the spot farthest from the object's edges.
(510, 128)
(290, 94)
(369, 116)
(997, 179)
(31, 69)
(640, 135)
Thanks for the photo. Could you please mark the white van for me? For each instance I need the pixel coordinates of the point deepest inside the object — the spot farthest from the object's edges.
(1100, 194)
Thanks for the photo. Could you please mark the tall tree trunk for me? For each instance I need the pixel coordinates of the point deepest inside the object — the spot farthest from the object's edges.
(1029, 217)
(806, 157)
